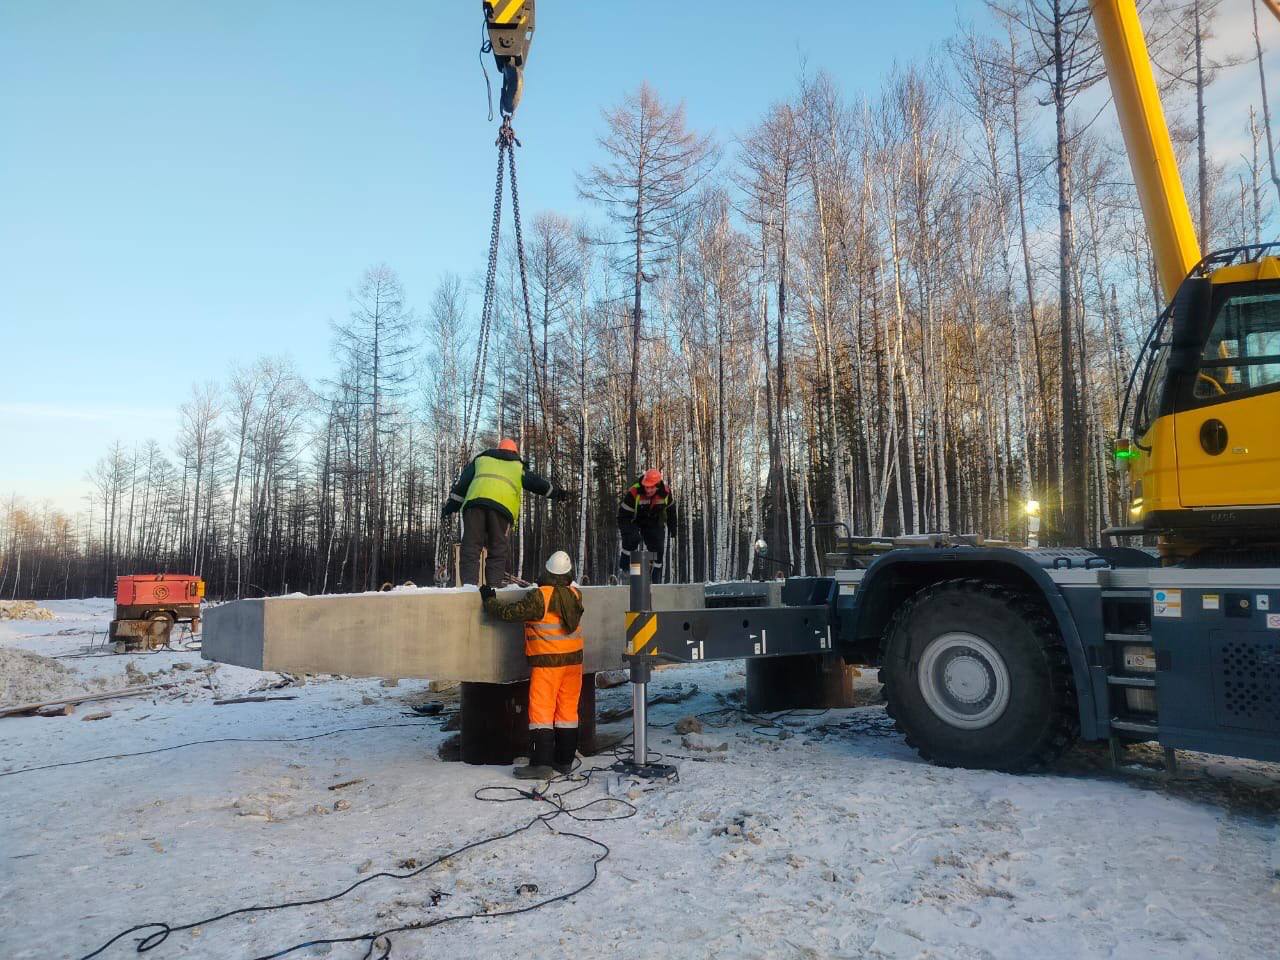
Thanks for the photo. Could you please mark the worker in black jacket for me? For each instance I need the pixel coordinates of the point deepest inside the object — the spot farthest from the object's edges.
(488, 493)
(645, 514)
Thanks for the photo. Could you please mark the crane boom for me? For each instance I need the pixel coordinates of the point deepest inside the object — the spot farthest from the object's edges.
(1146, 140)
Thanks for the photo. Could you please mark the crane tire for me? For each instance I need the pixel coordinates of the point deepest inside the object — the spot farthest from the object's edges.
(975, 674)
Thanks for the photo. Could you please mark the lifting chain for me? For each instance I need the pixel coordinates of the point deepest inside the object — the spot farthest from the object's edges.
(471, 412)
(538, 376)
(506, 144)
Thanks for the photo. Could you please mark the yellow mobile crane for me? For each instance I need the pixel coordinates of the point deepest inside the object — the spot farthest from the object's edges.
(998, 657)
(1203, 444)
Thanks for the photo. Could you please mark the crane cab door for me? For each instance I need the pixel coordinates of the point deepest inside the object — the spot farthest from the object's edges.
(1227, 424)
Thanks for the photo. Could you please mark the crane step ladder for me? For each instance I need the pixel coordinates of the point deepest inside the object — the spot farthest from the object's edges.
(723, 633)
(1130, 661)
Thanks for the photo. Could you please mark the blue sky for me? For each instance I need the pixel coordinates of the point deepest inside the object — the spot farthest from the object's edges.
(184, 184)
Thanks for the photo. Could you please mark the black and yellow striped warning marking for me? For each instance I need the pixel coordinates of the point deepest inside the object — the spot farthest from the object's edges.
(641, 629)
(506, 11)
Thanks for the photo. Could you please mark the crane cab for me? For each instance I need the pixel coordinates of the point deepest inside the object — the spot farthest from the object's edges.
(1205, 454)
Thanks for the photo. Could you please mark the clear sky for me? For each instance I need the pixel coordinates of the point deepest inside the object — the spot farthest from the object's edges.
(188, 184)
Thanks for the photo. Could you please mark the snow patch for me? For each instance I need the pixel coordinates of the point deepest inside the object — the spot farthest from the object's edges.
(27, 677)
(835, 842)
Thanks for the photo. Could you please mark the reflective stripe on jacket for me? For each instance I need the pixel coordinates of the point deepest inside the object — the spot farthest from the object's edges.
(644, 509)
(546, 643)
(499, 481)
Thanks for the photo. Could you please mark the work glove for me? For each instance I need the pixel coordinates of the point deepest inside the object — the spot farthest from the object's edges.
(449, 508)
(559, 495)
(487, 592)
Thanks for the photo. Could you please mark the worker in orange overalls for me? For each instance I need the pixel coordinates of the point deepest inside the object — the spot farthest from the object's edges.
(552, 615)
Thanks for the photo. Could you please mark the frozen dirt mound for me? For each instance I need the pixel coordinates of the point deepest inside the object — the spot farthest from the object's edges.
(27, 677)
(23, 610)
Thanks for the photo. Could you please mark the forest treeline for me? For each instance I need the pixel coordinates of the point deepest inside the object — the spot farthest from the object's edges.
(911, 309)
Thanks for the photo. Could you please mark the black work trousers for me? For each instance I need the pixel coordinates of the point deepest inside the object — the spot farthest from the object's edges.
(485, 528)
(654, 537)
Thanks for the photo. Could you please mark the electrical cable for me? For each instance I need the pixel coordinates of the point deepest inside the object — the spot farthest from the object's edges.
(879, 725)
(197, 743)
(131, 653)
(190, 645)
(486, 47)
(160, 930)
(578, 778)
(764, 724)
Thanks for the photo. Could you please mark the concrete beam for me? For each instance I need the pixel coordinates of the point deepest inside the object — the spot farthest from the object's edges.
(435, 634)
(745, 593)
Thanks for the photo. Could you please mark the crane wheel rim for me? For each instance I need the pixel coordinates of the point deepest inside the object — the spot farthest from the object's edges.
(964, 680)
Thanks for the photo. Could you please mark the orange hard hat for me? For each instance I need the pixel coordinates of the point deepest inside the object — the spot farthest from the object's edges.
(509, 445)
(651, 478)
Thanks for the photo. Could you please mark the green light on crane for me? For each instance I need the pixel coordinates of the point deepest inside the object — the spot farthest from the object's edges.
(1124, 450)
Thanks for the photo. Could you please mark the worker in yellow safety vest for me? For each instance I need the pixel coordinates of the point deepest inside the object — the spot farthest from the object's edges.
(552, 615)
(488, 493)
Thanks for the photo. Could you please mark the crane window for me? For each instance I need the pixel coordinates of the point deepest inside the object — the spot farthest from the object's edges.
(1242, 353)
(1152, 390)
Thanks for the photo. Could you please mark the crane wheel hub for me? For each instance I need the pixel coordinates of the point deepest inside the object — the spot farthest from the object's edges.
(964, 680)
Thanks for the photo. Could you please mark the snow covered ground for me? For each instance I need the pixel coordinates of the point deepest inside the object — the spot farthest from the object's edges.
(833, 842)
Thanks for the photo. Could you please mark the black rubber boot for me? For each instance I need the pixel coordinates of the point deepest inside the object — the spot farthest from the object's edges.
(566, 748)
(539, 767)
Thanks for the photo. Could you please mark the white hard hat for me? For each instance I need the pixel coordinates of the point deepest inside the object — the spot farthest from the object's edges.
(559, 563)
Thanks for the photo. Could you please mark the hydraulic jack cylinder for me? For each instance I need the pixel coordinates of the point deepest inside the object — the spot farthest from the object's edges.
(640, 614)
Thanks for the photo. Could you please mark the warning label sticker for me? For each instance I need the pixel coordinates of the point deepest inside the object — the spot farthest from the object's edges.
(1273, 621)
(1140, 662)
(1166, 603)
(1209, 601)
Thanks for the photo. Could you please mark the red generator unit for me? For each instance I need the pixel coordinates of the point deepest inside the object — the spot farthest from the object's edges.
(148, 605)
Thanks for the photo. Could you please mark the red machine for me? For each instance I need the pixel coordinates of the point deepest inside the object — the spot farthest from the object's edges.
(148, 605)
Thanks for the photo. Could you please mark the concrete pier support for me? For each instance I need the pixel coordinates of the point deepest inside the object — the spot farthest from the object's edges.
(495, 722)
(810, 681)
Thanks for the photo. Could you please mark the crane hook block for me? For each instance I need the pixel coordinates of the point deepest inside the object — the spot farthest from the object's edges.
(510, 26)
